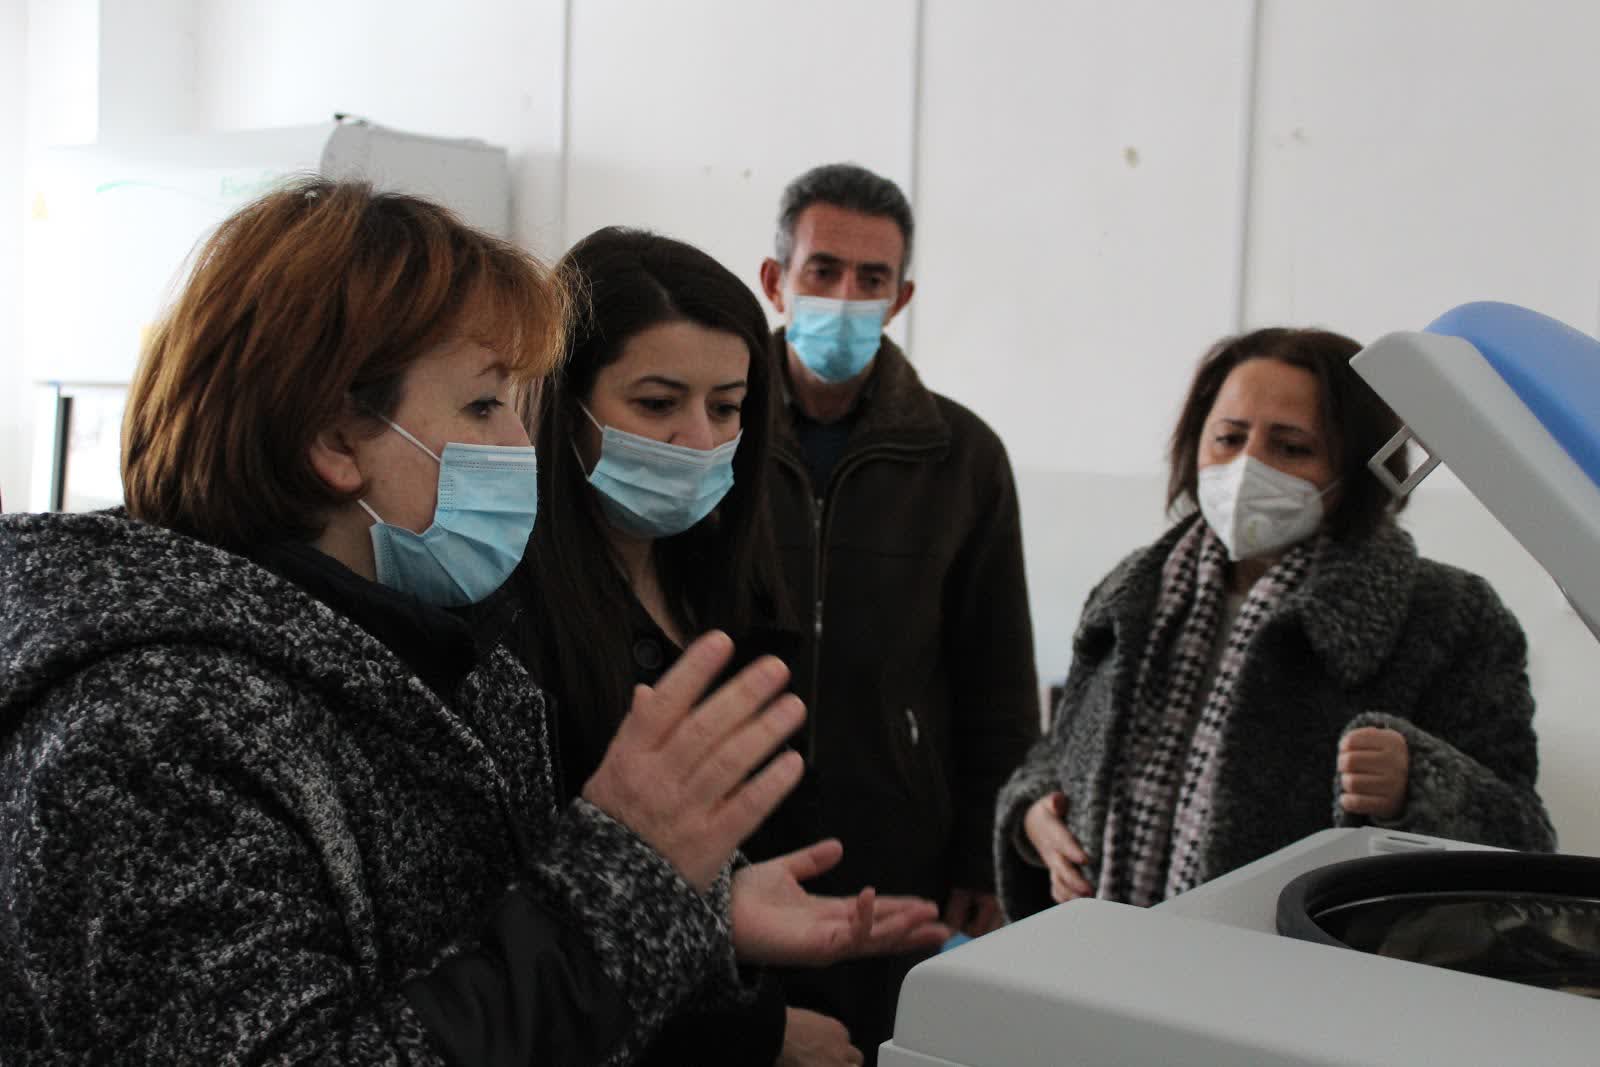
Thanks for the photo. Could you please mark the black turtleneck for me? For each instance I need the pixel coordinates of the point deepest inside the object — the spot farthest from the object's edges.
(441, 646)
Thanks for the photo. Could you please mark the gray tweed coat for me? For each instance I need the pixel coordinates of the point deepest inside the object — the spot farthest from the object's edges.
(1374, 636)
(233, 827)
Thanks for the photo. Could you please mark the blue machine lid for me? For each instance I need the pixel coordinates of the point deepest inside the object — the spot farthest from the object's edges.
(1553, 368)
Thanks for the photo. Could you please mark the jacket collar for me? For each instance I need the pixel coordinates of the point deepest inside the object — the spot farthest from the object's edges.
(1351, 607)
(1354, 603)
(895, 408)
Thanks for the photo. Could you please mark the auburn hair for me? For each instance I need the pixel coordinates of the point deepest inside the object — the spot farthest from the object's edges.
(309, 305)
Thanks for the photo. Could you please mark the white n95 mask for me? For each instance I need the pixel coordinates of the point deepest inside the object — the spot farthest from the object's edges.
(1256, 509)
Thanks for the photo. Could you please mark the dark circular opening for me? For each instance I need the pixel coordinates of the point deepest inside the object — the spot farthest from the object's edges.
(1521, 917)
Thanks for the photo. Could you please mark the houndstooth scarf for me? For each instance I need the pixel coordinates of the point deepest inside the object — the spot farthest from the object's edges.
(1169, 758)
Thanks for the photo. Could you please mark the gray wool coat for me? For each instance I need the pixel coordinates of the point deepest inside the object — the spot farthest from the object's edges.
(234, 828)
(1373, 636)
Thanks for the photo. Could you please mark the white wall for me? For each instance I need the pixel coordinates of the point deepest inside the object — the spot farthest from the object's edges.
(1415, 155)
(49, 63)
(1103, 188)
(492, 69)
(63, 70)
(14, 425)
(147, 68)
(1080, 216)
(690, 117)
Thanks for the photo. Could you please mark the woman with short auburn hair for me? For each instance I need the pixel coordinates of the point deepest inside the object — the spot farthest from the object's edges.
(301, 309)
(1279, 662)
(270, 786)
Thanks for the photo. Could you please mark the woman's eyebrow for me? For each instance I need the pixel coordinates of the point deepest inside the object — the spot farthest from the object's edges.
(1290, 427)
(662, 380)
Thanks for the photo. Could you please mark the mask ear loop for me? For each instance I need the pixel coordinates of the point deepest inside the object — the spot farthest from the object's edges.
(579, 457)
(573, 441)
(397, 428)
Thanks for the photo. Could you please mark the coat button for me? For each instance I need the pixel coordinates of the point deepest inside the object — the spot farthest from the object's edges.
(647, 654)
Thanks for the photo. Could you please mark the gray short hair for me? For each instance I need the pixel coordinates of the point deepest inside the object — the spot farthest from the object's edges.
(848, 186)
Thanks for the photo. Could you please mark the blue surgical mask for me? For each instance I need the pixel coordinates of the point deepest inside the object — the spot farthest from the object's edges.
(649, 488)
(488, 499)
(836, 339)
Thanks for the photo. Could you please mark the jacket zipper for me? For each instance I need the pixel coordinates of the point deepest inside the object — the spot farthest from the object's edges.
(821, 516)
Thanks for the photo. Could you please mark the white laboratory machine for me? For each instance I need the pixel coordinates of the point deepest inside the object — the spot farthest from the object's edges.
(1396, 948)
(109, 232)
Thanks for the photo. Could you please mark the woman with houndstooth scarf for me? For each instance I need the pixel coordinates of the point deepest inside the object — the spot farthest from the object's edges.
(1280, 661)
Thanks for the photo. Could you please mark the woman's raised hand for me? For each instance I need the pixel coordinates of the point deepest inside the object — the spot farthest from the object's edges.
(678, 772)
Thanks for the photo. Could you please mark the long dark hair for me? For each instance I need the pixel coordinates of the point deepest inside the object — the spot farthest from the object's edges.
(1355, 419)
(721, 573)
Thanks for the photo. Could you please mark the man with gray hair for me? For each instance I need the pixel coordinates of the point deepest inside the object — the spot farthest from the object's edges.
(898, 529)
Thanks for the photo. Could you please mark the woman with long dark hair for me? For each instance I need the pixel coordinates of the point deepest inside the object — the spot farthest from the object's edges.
(656, 433)
(663, 377)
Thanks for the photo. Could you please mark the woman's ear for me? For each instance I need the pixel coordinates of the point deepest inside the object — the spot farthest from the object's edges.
(333, 457)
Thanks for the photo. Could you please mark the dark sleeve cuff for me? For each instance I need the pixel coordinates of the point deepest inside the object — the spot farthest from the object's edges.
(747, 1036)
(532, 991)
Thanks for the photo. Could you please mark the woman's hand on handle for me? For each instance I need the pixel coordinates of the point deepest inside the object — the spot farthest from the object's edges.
(678, 772)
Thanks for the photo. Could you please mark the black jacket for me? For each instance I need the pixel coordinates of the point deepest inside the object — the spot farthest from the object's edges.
(235, 827)
(918, 665)
(917, 668)
(1374, 635)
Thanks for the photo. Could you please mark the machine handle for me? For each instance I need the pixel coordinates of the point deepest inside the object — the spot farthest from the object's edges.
(1395, 444)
